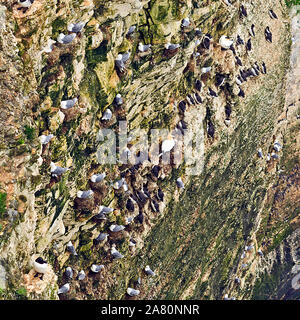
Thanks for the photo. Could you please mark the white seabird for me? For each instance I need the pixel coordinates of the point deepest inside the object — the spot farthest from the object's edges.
(40, 266)
(149, 271)
(180, 183)
(45, 139)
(185, 22)
(144, 47)
(96, 267)
(98, 177)
(81, 275)
(225, 42)
(26, 3)
(171, 46)
(116, 254)
(56, 170)
(64, 289)
(132, 292)
(85, 194)
(76, 27)
(66, 39)
(107, 115)
(67, 104)
(71, 248)
(116, 228)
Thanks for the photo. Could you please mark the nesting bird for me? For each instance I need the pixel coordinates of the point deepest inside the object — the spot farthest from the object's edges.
(40, 265)
(220, 79)
(249, 45)
(66, 39)
(85, 194)
(121, 60)
(149, 272)
(69, 273)
(259, 153)
(198, 85)
(167, 145)
(243, 11)
(26, 3)
(49, 47)
(239, 40)
(241, 93)
(155, 170)
(76, 27)
(107, 115)
(116, 228)
(81, 275)
(171, 46)
(144, 47)
(116, 254)
(132, 292)
(131, 31)
(130, 205)
(182, 106)
(57, 171)
(225, 42)
(180, 183)
(185, 22)
(264, 68)
(46, 139)
(212, 93)
(251, 31)
(101, 237)
(277, 146)
(98, 177)
(97, 268)
(64, 289)
(160, 195)
(272, 14)
(228, 2)
(268, 34)
(71, 248)
(67, 104)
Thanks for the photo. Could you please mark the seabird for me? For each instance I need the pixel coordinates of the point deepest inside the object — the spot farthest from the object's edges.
(239, 40)
(185, 22)
(64, 289)
(243, 11)
(149, 271)
(45, 139)
(120, 63)
(144, 47)
(98, 177)
(69, 273)
(49, 47)
(198, 85)
(130, 205)
(232, 49)
(66, 39)
(128, 220)
(105, 210)
(227, 122)
(268, 34)
(205, 69)
(228, 2)
(210, 129)
(85, 194)
(130, 31)
(272, 14)
(238, 80)
(154, 205)
(116, 254)
(160, 194)
(243, 255)
(116, 228)
(198, 98)
(132, 243)
(118, 99)
(167, 145)
(126, 56)
(140, 218)
(182, 106)
(277, 146)
(198, 32)
(225, 42)
(107, 115)
(118, 184)
(237, 280)
(259, 153)
(190, 99)
(220, 79)
(241, 93)
(251, 31)
(249, 45)
(101, 237)
(26, 3)
(228, 110)
(141, 196)
(155, 170)
(274, 156)
(146, 191)
(96, 267)
(76, 27)
(206, 41)
(260, 252)
(212, 93)
(81, 275)
(71, 248)
(264, 68)
(268, 157)
(56, 170)
(179, 183)
(67, 104)
(40, 265)
(132, 292)
(171, 46)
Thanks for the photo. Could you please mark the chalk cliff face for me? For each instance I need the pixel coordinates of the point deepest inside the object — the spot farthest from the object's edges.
(195, 243)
